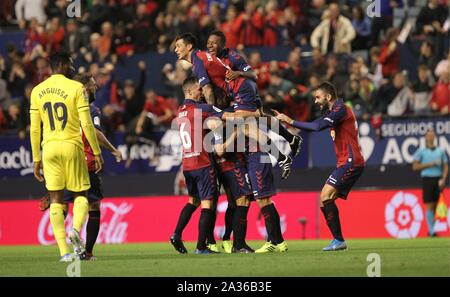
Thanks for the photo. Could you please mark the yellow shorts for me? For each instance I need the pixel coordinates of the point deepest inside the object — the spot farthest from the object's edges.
(65, 167)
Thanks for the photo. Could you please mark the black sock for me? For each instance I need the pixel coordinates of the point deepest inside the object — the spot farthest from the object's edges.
(283, 132)
(185, 216)
(228, 222)
(331, 213)
(92, 229)
(273, 218)
(277, 223)
(203, 227)
(210, 235)
(270, 225)
(240, 226)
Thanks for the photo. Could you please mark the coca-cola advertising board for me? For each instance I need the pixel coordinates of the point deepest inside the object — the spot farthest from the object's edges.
(153, 219)
(366, 214)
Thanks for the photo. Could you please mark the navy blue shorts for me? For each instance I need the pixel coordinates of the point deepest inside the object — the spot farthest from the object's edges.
(247, 97)
(95, 192)
(343, 178)
(260, 175)
(236, 181)
(201, 183)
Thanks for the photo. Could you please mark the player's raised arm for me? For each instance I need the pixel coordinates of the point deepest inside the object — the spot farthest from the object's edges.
(87, 125)
(35, 136)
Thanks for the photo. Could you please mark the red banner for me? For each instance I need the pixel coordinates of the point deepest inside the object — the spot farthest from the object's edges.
(366, 214)
(149, 219)
(386, 214)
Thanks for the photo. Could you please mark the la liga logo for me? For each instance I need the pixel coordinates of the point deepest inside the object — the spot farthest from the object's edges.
(403, 215)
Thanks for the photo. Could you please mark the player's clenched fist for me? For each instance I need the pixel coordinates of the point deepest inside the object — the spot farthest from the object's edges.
(37, 171)
(98, 163)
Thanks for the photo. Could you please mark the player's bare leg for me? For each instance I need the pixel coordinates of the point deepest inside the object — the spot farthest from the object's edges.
(183, 220)
(57, 221)
(240, 226)
(273, 227)
(204, 224)
(330, 211)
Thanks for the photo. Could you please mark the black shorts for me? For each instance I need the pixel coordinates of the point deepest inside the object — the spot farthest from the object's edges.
(201, 183)
(260, 175)
(343, 178)
(430, 189)
(236, 181)
(95, 192)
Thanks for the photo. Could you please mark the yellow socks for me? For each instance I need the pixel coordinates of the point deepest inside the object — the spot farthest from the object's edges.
(80, 212)
(57, 221)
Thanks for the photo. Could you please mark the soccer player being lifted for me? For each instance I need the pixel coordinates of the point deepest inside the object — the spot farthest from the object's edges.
(211, 73)
(339, 118)
(247, 104)
(62, 105)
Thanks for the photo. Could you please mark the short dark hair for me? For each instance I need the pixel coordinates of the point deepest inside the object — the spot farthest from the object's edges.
(328, 88)
(187, 83)
(83, 78)
(221, 35)
(58, 59)
(188, 38)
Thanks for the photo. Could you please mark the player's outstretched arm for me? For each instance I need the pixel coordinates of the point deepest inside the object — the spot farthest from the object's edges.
(104, 142)
(317, 125)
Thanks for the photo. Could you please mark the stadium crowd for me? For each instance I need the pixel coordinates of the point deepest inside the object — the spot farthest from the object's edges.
(329, 40)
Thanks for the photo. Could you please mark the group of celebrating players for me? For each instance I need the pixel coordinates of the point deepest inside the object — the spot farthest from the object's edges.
(222, 93)
(245, 173)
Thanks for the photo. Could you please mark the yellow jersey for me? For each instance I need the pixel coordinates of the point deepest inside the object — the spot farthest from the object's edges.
(61, 104)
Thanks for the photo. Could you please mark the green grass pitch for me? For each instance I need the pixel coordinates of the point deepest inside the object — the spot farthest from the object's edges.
(415, 257)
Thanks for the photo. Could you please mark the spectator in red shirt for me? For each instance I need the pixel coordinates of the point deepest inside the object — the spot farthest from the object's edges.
(35, 36)
(156, 112)
(261, 69)
(232, 27)
(156, 109)
(253, 25)
(41, 71)
(389, 53)
(271, 24)
(54, 36)
(440, 100)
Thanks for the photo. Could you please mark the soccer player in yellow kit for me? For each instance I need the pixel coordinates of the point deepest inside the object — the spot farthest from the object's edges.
(62, 106)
